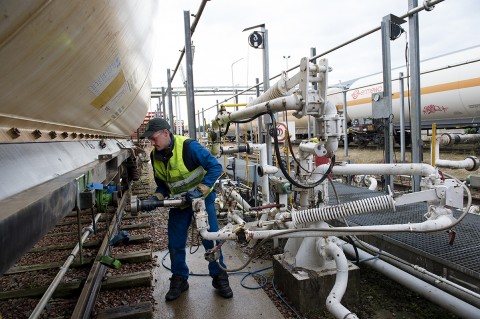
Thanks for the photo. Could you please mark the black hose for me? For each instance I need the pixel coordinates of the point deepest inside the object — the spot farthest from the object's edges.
(282, 166)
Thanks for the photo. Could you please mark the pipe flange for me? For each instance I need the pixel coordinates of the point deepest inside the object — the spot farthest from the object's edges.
(427, 6)
(476, 163)
(133, 204)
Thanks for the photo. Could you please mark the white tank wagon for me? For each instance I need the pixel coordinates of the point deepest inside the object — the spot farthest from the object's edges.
(74, 83)
(81, 67)
(450, 95)
(450, 91)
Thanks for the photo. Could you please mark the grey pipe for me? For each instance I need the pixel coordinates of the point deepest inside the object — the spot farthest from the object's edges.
(429, 292)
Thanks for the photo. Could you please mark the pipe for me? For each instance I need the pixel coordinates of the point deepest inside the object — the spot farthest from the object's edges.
(441, 223)
(470, 163)
(233, 194)
(311, 148)
(450, 139)
(382, 169)
(440, 282)
(291, 102)
(373, 183)
(262, 148)
(427, 291)
(235, 149)
(341, 280)
(384, 202)
(266, 170)
(58, 278)
(237, 219)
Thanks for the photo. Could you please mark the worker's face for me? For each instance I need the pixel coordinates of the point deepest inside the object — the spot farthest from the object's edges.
(160, 139)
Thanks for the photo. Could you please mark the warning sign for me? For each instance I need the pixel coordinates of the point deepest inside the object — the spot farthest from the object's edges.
(282, 131)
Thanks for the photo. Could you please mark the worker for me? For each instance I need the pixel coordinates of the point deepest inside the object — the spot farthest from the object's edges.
(182, 166)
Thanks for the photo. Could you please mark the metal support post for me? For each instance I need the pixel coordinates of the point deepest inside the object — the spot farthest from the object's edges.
(190, 88)
(266, 86)
(313, 52)
(163, 103)
(415, 115)
(259, 119)
(402, 118)
(345, 121)
(170, 102)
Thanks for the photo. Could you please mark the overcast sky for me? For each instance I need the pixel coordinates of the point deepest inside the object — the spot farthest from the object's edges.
(293, 28)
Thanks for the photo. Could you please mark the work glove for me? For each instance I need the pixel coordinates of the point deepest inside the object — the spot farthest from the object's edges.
(190, 195)
(155, 197)
(200, 191)
(159, 196)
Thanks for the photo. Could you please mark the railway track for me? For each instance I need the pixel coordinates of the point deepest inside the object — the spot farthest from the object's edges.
(109, 273)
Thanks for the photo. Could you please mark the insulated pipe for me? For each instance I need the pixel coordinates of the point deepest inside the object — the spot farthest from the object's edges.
(291, 102)
(382, 169)
(58, 278)
(277, 90)
(470, 163)
(435, 295)
(357, 207)
(335, 296)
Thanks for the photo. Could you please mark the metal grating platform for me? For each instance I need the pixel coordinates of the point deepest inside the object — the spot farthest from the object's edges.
(460, 262)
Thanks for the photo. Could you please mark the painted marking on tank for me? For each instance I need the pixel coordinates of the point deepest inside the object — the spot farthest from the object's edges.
(457, 85)
(109, 92)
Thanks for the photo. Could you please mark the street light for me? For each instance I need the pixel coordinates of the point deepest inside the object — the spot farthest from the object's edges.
(233, 85)
(286, 57)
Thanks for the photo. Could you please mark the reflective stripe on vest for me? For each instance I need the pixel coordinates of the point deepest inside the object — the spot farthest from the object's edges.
(175, 174)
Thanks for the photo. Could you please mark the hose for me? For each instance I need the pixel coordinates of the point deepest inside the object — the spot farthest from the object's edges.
(342, 210)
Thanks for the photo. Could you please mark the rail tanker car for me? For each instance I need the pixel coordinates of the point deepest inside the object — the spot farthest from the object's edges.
(74, 81)
(450, 97)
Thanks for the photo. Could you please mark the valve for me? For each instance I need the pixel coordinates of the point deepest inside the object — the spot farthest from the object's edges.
(212, 255)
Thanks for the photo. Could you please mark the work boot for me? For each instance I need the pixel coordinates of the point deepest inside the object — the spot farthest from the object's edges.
(220, 282)
(178, 284)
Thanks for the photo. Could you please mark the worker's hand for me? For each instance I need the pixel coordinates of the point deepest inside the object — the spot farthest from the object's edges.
(159, 196)
(190, 195)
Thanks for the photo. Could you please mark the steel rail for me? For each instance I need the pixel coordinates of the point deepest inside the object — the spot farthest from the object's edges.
(90, 290)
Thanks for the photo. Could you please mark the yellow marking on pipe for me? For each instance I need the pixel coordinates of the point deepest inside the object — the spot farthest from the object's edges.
(234, 104)
(457, 85)
(109, 92)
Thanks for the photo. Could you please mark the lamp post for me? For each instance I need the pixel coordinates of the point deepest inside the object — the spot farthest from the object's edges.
(237, 126)
(286, 57)
(233, 85)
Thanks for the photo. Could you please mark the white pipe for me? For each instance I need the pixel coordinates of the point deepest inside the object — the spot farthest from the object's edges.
(382, 169)
(450, 139)
(435, 295)
(438, 281)
(237, 219)
(311, 148)
(233, 194)
(469, 163)
(373, 183)
(441, 223)
(267, 170)
(291, 102)
(335, 296)
(58, 278)
(262, 149)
